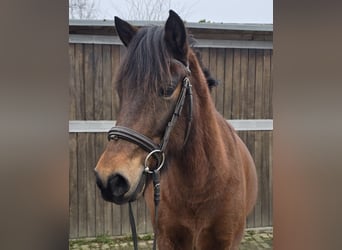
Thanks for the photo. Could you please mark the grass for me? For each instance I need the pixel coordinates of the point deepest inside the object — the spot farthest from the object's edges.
(106, 240)
(252, 240)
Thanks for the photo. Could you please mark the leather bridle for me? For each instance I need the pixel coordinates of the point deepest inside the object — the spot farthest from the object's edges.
(156, 150)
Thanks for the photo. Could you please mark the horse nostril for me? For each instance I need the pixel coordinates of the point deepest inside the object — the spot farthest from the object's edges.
(118, 185)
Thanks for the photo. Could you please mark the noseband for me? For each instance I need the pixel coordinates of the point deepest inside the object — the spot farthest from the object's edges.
(157, 151)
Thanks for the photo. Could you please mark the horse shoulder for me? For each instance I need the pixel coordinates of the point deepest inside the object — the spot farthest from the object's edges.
(249, 174)
(244, 164)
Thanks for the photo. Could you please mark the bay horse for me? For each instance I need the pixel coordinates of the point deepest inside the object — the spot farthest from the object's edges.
(168, 125)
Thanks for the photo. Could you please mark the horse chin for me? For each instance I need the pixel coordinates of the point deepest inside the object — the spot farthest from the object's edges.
(139, 190)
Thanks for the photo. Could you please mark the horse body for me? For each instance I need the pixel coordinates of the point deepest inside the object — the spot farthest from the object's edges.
(204, 198)
(208, 185)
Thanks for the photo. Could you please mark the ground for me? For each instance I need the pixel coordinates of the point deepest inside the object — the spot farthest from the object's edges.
(253, 239)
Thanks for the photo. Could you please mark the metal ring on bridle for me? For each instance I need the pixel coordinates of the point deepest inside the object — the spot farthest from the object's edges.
(147, 169)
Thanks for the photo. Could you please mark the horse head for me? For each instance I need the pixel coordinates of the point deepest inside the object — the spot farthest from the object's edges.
(149, 84)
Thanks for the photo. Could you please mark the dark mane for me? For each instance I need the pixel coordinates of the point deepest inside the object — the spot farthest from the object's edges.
(145, 66)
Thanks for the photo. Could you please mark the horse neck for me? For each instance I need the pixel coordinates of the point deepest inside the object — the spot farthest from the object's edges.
(205, 127)
(193, 164)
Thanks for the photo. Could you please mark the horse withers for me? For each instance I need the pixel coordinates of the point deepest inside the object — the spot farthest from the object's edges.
(167, 123)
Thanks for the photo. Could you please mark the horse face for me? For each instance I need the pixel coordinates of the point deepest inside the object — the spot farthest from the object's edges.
(148, 85)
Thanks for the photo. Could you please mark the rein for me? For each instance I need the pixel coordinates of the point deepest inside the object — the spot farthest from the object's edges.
(156, 150)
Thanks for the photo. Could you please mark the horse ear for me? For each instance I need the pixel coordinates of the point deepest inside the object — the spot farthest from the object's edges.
(175, 36)
(124, 30)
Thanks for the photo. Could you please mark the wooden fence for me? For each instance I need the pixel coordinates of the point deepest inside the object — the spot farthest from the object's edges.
(241, 59)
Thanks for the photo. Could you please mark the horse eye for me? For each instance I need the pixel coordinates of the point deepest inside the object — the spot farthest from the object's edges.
(166, 92)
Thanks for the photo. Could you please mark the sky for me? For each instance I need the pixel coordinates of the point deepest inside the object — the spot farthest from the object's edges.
(218, 11)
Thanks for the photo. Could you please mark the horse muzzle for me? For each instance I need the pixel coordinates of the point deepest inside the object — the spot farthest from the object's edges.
(118, 189)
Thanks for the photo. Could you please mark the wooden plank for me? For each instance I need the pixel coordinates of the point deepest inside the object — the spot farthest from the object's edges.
(251, 147)
(141, 215)
(90, 164)
(270, 169)
(212, 69)
(271, 84)
(236, 84)
(264, 189)
(98, 83)
(108, 218)
(268, 157)
(125, 226)
(73, 192)
(115, 60)
(82, 184)
(251, 85)
(79, 83)
(117, 221)
(259, 85)
(228, 83)
(100, 221)
(135, 213)
(267, 84)
(123, 51)
(89, 81)
(258, 164)
(149, 227)
(238, 44)
(102, 126)
(205, 56)
(107, 82)
(220, 68)
(200, 43)
(72, 84)
(243, 136)
(243, 84)
(250, 220)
